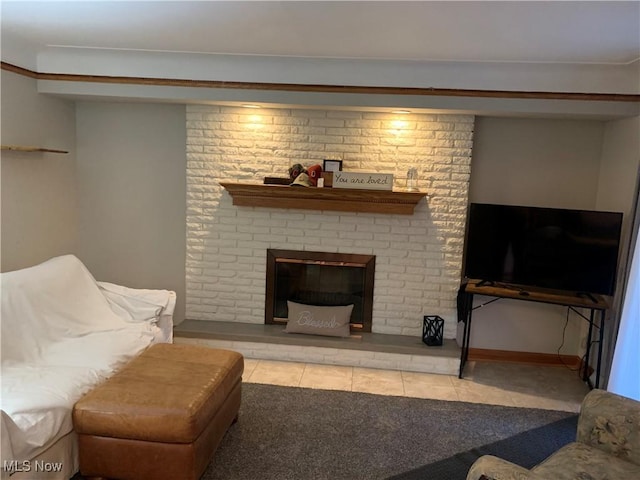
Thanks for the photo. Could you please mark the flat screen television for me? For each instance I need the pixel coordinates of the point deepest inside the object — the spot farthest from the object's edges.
(570, 250)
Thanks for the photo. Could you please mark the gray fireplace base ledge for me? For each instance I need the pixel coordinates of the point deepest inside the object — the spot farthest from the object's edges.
(367, 350)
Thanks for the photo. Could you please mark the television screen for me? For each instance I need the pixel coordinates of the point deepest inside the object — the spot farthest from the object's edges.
(570, 250)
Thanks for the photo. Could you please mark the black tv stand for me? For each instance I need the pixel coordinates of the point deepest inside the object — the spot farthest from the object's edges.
(590, 296)
(592, 302)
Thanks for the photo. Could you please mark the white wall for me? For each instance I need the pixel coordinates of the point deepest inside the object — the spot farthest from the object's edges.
(619, 168)
(117, 200)
(537, 162)
(617, 182)
(617, 191)
(131, 194)
(39, 207)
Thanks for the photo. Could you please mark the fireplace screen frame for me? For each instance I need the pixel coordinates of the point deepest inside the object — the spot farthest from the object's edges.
(366, 262)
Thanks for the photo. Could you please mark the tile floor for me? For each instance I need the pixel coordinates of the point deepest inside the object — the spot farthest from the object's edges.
(516, 385)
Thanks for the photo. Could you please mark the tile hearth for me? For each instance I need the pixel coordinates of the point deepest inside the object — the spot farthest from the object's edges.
(512, 385)
(276, 358)
(367, 350)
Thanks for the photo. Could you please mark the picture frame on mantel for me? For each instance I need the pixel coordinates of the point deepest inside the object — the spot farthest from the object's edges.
(330, 165)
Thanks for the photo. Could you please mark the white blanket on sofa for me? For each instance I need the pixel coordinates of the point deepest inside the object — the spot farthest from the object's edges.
(62, 333)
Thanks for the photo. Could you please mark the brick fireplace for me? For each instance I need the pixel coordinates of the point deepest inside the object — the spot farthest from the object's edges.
(418, 257)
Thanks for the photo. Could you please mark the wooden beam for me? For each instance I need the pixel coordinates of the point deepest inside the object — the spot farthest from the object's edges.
(322, 88)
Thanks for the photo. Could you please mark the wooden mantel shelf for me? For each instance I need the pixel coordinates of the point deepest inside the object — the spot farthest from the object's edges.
(334, 199)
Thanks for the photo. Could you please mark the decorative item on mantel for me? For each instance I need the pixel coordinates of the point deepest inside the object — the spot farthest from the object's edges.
(327, 179)
(363, 181)
(294, 171)
(314, 172)
(331, 165)
(412, 180)
(302, 180)
(277, 180)
(298, 176)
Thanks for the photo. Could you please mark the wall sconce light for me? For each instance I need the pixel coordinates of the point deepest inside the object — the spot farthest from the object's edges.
(399, 125)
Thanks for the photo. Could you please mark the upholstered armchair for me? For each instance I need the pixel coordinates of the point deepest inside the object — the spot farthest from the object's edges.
(607, 447)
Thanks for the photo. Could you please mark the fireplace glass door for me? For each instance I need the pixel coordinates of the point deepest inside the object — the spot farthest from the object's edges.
(318, 278)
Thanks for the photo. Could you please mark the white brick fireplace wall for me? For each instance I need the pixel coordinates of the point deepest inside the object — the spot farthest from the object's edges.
(418, 257)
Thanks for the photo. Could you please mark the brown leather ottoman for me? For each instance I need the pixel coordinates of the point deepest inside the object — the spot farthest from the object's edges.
(162, 416)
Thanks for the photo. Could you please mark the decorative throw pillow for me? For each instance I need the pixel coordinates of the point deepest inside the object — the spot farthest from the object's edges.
(316, 320)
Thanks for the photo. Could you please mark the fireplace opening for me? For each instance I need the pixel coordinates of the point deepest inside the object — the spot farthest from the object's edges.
(320, 278)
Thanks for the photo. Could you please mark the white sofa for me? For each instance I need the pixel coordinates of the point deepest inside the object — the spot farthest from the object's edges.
(63, 333)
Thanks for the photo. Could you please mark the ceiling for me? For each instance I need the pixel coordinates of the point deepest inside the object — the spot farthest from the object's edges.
(575, 32)
(520, 46)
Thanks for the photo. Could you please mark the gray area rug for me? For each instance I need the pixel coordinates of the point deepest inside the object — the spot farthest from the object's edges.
(526, 449)
(297, 433)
